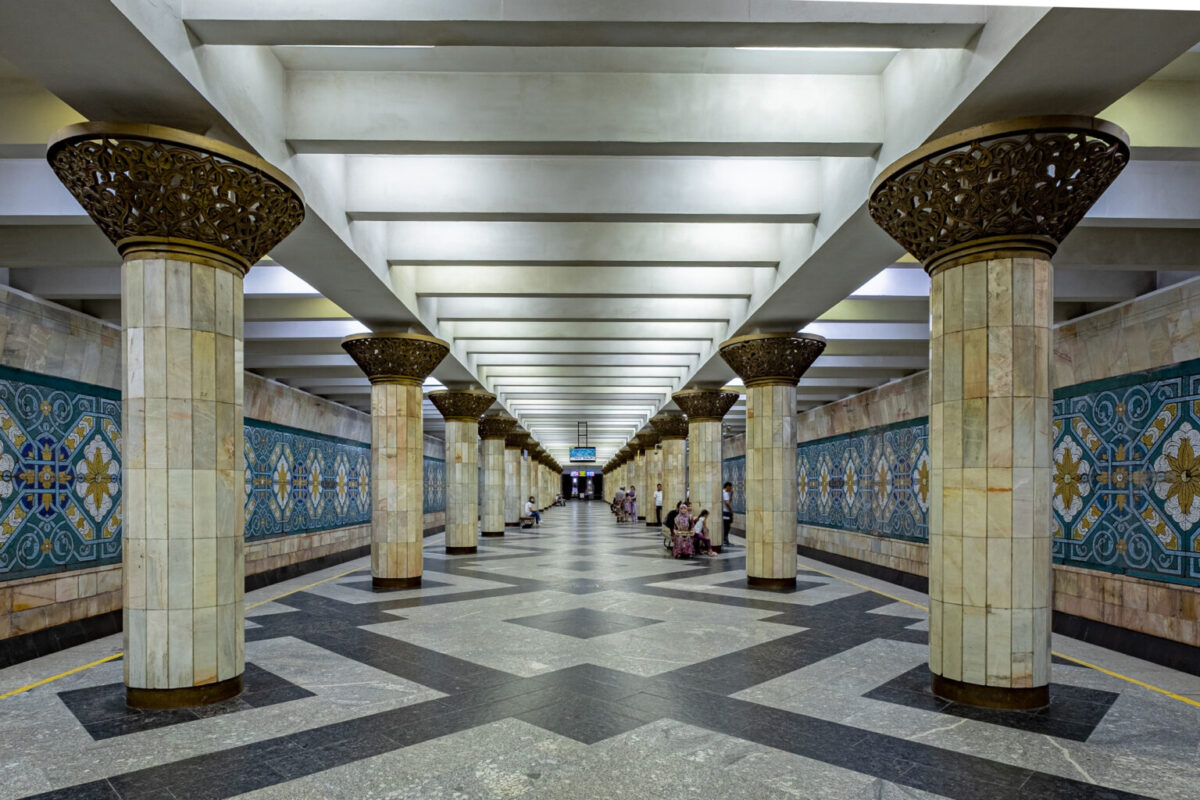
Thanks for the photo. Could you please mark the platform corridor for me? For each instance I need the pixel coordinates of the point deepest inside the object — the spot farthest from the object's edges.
(578, 660)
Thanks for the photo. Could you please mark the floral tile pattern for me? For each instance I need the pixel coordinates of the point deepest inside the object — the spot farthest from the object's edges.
(60, 487)
(60, 477)
(870, 481)
(434, 499)
(733, 470)
(299, 482)
(1126, 485)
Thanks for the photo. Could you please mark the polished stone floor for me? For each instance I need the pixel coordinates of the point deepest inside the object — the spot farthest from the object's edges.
(578, 660)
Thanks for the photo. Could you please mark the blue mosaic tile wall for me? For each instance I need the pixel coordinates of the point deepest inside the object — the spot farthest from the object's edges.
(1126, 491)
(434, 496)
(60, 484)
(1125, 488)
(869, 481)
(299, 482)
(733, 470)
(60, 477)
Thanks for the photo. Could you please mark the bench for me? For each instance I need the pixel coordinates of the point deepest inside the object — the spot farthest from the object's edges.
(526, 522)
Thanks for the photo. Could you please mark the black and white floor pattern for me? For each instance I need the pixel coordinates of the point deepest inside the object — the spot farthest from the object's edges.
(578, 660)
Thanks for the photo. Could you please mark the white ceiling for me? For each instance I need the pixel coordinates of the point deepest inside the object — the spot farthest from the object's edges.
(586, 199)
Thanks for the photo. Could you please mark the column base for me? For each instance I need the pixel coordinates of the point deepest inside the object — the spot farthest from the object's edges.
(185, 696)
(641, 518)
(512, 524)
(461, 551)
(393, 584)
(717, 548)
(491, 533)
(653, 525)
(972, 694)
(771, 584)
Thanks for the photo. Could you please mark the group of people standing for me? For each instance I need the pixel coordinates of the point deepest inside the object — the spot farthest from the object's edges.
(625, 504)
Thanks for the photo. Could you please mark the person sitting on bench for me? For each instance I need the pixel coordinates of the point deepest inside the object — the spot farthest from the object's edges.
(531, 513)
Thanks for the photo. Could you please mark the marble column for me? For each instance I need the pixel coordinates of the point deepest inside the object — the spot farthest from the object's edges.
(705, 408)
(397, 365)
(189, 216)
(672, 429)
(984, 211)
(514, 503)
(637, 472)
(461, 409)
(527, 474)
(770, 366)
(492, 430)
(653, 475)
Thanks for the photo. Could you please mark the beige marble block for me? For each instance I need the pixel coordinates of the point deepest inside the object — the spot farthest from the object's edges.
(704, 470)
(673, 477)
(771, 481)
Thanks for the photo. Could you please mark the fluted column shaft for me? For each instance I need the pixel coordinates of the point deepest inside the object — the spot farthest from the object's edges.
(771, 484)
(184, 510)
(514, 503)
(492, 458)
(654, 477)
(462, 486)
(673, 477)
(397, 485)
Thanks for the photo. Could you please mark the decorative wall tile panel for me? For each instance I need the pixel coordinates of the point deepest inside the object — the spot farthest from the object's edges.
(435, 485)
(1126, 474)
(300, 482)
(870, 481)
(733, 470)
(60, 487)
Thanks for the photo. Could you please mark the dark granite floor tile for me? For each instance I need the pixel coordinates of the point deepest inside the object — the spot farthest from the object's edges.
(1073, 713)
(583, 623)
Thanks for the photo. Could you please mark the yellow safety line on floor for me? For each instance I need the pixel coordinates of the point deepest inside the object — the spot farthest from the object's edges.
(1079, 661)
(106, 659)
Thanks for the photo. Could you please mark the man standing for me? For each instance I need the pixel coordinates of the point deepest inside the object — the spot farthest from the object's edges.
(726, 511)
(658, 506)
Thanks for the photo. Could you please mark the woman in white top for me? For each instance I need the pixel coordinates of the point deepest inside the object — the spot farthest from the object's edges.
(700, 533)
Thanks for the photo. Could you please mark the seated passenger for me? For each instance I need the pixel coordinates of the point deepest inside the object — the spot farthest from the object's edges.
(531, 512)
(669, 525)
(700, 531)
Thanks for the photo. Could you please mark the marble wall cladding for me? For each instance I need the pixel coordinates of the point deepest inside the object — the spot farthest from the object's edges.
(271, 401)
(299, 482)
(1155, 330)
(48, 339)
(870, 481)
(899, 401)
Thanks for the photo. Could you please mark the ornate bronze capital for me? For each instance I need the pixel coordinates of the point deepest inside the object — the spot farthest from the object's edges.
(463, 405)
(515, 441)
(765, 359)
(705, 405)
(669, 425)
(158, 192)
(649, 439)
(1009, 188)
(405, 358)
(495, 427)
